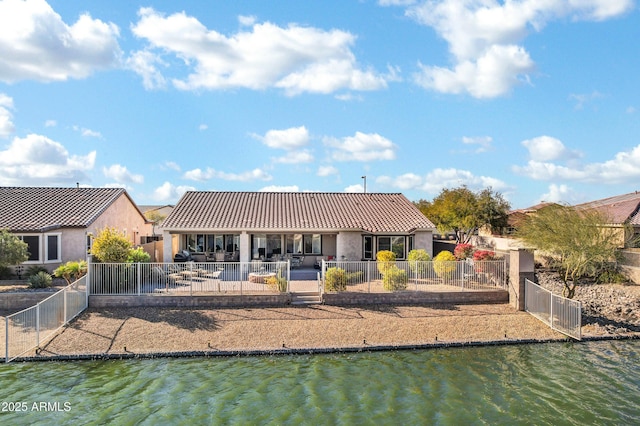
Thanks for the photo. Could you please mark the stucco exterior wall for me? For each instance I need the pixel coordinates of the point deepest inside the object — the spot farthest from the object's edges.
(423, 240)
(123, 215)
(328, 244)
(349, 245)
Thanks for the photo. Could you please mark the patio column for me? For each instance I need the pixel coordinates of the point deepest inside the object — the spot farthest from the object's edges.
(245, 247)
(167, 249)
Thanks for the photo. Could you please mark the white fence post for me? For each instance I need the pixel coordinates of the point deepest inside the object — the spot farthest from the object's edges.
(138, 277)
(37, 325)
(6, 339)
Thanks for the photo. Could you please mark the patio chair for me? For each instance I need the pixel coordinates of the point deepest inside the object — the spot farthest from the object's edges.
(166, 277)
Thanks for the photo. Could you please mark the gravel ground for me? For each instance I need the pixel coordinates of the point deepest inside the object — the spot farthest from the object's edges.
(153, 330)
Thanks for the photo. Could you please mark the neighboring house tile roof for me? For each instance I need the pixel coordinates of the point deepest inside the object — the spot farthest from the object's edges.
(619, 209)
(298, 211)
(34, 209)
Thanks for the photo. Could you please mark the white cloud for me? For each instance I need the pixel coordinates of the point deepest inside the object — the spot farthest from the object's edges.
(172, 165)
(37, 160)
(121, 175)
(438, 179)
(483, 142)
(556, 194)
(87, 132)
(395, 2)
(203, 127)
(295, 157)
(247, 21)
(582, 99)
(484, 38)
(36, 44)
(170, 192)
(624, 167)
(295, 58)
(327, 171)
(354, 188)
(292, 138)
(209, 173)
(6, 118)
(145, 64)
(362, 147)
(490, 75)
(50, 123)
(276, 188)
(547, 148)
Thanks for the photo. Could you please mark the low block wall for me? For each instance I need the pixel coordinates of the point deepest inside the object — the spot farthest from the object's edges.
(416, 298)
(18, 301)
(189, 301)
(632, 272)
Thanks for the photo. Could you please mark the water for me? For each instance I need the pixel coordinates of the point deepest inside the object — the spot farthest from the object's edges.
(554, 384)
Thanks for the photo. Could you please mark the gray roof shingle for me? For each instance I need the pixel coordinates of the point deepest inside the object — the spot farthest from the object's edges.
(37, 209)
(295, 211)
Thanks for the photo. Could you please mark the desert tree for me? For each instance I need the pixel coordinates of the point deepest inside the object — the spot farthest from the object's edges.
(580, 240)
(463, 211)
(13, 250)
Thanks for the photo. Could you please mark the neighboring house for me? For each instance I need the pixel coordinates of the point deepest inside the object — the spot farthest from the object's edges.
(622, 211)
(160, 211)
(58, 223)
(307, 225)
(504, 240)
(516, 217)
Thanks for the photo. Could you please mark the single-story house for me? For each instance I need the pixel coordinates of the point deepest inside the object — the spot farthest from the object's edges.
(619, 210)
(306, 225)
(58, 223)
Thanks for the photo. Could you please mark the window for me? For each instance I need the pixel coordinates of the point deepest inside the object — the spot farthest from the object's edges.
(52, 248)
(312, 244)
(51, 252)
(258, 246)
(395, 244)
(294, 243)
(368, 247)
(209, 243)
(33, 247)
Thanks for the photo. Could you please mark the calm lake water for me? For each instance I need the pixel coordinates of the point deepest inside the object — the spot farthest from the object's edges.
(554, 384)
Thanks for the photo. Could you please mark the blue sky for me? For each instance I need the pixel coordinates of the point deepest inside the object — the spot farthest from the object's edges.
(539, 100)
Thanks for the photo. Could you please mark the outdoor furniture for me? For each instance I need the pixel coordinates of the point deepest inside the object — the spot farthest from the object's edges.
(296, 261)
(220, 256)
(166, 277)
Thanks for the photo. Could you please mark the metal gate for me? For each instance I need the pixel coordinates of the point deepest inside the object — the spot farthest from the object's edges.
(559, 313)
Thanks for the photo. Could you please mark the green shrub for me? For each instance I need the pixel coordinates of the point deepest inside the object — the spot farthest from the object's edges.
(386, 259)
(40, 280)
(5, 272)
(417, 259)
(111, 246)
(278, 283)
(138, 255)
(335, 279)
(34, 270)
(444, 264)
(395, 279)
(611, 277)
(71, 271)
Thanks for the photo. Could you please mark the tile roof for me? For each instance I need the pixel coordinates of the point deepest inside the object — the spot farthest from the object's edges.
(295, 211)
(34, 209)
(619, 209)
